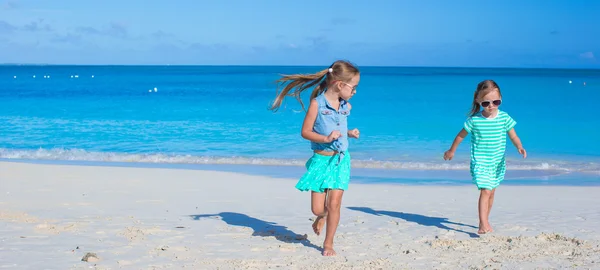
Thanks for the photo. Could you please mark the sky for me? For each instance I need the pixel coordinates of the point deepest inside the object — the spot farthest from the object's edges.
(461, 33)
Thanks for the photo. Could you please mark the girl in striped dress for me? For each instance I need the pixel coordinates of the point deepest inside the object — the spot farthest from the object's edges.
(488, 129)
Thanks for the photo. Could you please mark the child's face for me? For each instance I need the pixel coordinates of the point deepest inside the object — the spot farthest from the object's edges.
(490, 102)
(348, 89)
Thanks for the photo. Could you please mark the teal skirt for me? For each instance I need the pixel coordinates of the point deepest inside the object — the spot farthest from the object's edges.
(325, 172)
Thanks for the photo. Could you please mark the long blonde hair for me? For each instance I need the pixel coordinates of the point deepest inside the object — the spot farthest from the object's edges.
(483, 88)
(296, 83)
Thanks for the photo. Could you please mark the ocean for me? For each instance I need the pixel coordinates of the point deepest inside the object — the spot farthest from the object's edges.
(217, 117)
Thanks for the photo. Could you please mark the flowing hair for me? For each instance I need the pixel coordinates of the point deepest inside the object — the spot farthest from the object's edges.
(483, 88)
(294, 85)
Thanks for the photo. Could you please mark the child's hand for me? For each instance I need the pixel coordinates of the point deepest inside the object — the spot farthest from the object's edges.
(333, 136)
(448, 155)
(354, 133)
(522, 152)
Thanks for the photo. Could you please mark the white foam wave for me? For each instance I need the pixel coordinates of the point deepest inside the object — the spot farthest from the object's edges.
(59, 154)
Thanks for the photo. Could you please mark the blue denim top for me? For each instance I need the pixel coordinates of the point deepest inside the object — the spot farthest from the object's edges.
(328, 120)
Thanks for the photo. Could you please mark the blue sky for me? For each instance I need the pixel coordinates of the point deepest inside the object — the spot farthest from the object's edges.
(507, 33)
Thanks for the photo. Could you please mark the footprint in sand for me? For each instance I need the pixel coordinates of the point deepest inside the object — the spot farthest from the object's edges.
(359, 221)
(133, 234)
(48, 228)
(518, 228)
(447, 233)
(19, 217)
(287, 248)
(124, 263)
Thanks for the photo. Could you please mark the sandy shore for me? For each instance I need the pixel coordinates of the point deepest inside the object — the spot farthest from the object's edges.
(140, 218)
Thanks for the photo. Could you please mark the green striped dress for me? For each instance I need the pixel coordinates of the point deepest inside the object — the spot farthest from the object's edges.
(488, 144)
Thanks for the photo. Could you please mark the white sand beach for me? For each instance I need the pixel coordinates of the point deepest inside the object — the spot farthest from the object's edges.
(51, 216)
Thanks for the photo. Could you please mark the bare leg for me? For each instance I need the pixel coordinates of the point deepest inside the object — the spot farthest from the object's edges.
(484, 207)
(334, 202)
(317, 201)
(490, 209)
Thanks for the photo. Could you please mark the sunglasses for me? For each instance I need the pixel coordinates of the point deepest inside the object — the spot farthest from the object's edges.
(353, 87)
(487, 103)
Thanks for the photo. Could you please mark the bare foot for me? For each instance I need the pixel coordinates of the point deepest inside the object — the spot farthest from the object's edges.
(484, 230)
(318, 225)
(327, 251)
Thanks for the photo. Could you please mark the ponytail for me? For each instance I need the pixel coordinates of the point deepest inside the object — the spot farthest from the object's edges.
(297, 83)
(476, 107)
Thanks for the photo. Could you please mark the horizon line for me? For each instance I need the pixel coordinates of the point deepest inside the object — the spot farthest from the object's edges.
(289, 65)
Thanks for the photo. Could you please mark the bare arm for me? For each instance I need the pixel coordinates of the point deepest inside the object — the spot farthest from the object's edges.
(352, 133)
(309, 122)
(512, 134)
(459, 138)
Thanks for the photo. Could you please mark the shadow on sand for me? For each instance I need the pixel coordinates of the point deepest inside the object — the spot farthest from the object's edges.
(438, 222)
(260, 227)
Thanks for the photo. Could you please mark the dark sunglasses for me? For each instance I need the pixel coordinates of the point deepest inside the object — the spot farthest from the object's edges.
(487, 103)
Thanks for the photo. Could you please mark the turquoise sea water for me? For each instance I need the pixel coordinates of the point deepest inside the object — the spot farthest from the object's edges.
(199, 115)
